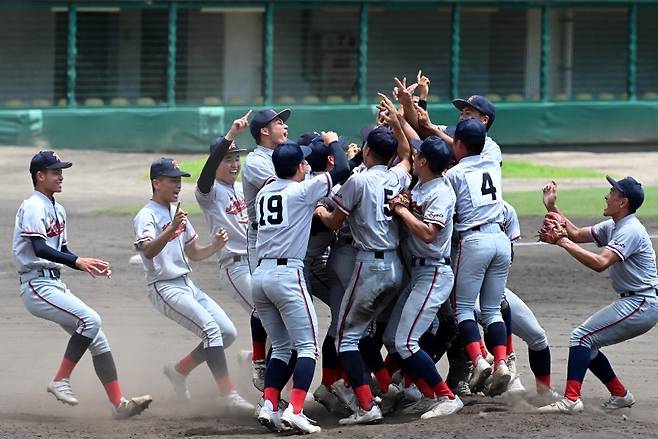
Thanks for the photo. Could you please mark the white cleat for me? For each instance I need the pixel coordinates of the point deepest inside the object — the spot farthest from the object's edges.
(481, 372)
(515, 388)
(130, 407)
(346, 395)
(372, 416)
(564, 405)
(258, 374)
(232, 402)
(62, 391)
(444, 407)
(501, 378)
(270, 418)
(178, 380)
(619, 402)
(299, 422)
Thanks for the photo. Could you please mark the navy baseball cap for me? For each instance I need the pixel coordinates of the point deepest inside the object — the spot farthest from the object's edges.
(382, 141)
(287, 156)
(435, 150)
(47, 160)
(472, 132)
(263, 117)
(307, 137)
(629, 188)
(233, 147)
(480, 103)
(166, 167)
(317, 159)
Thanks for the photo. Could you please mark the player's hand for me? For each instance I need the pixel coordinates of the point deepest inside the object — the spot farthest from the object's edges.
(424, 119)
(238, 126)
(389, 114)
(329, 137)
(402, 92)
(220, 239)
(550, 195)
(352, 150)
(423, 85)
(95, 267)
(179, 217)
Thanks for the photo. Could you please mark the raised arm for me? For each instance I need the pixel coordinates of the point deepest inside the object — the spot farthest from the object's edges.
(575, 233)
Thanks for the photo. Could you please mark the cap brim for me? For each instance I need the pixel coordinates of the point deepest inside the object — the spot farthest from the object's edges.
(306, 150)
(613, 183)
(60, 165)
(283, 115)
(237, 151)
(176, 173)
(416, 143)
(460, 104)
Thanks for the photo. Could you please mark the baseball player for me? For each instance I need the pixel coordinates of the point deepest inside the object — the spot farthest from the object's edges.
(484, 253)
(428, 219)
(631, 263)
(40, 251)
(284, 213)
(364, 201)
(223, 206)
(166, 241)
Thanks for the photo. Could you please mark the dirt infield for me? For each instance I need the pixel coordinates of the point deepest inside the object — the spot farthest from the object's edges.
(560, 292)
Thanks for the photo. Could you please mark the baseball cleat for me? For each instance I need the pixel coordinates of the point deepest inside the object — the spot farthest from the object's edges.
(178, 380)
(258, 374)
(131, 407)
(564, 405)
(479, 376)
(269, 418)
(372, 416)
(511, 364)
(501, 378)
(619, 402)
(62, 391)
(299, 422)
(515, 387)
(232, 402)
(391, 398)
(418, 407)
(330, 401)
(444, 407)
(345, 394)
(462, 389)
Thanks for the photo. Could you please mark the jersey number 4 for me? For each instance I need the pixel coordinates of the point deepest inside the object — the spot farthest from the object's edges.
(488, 187)
(274, 214)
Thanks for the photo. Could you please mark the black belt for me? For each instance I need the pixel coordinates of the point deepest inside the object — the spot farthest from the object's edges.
(237, 258)
(634, 293)
(379, 255)
(421, 262)
(279, 261)
(254, 225)
(53, 273)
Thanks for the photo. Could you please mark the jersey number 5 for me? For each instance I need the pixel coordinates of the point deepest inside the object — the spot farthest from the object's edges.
(274, 210)
(388, 194)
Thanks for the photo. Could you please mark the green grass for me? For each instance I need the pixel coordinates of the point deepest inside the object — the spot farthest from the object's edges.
(523, 169)
(578, 202)
(190, 208)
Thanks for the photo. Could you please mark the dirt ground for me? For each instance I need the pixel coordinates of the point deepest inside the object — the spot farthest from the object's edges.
(560, 292)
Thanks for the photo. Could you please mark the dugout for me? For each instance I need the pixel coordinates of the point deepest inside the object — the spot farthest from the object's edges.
(138, 75)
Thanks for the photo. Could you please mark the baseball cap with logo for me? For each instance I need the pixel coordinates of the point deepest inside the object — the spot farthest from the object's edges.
(382, 141)
(629, 188)
(287, 156)
(480, 103)
(166, 167)
(472, 132)
(435, 150)
(47, 160)
(263, 117)
(233, 148)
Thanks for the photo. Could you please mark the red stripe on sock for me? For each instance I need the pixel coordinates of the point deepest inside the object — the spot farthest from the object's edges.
(392, 365)
(442, 389)
(499, 353)
(297, 397)
(65, 369)
(329, 376)
(186, 365)
(510, 345)
(113, 390)
(225, 385)
(272, 395)
(364, 395)
(572, 390)
(425, 388)
(543, 383)
(483, 349)
(473, 351)
(383, 379)
(257, 350)
(615, 387)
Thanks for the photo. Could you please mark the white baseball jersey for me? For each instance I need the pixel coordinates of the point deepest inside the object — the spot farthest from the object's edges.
(284, 213)
(630, 241)
(38, 216)
(492, 150)
(511, 222)
(258, 170)
(478, 185)
(224, 207)
(171, 262)
(364, 199)
(433, 202)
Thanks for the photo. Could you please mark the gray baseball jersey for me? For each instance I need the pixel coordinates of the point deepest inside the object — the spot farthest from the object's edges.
(492, 150)
(172, 261)
(38, 216)
(258, 170)
(478, 185)
(433, 202)
(224, 207)
(511, 222)
(629, 240)
(284, 214)
(364, 199)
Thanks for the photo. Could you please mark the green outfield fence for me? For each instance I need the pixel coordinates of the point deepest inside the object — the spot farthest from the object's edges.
(170, 75)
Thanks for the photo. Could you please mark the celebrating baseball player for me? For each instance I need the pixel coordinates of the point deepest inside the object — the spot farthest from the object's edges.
(224, 207)
(166, 242)
(284, 214)
(40, 251)
(484, 253)
(631, 263)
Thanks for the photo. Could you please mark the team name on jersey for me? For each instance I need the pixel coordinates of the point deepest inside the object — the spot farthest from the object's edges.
(179, 231)
(236, 206)
(54, 228)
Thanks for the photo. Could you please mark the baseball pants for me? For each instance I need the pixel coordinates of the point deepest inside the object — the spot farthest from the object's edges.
(181, 301)
(235, 278)
(340, 266)
(50, 299)
(285, 308)
(252, 234)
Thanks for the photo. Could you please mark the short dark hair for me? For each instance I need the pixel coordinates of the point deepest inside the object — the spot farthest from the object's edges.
(435, 167)
(34, 178)
(287, 173)
(378, 157)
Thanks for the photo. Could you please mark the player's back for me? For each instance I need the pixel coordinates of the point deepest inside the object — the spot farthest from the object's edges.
(258, 170)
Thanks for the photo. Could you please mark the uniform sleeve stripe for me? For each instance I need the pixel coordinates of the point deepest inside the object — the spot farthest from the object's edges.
(328, 177)
(142, 239)
(345, 210)
(433, 221)
(591, 232)
(267, 181)
(616, 251)
(515, 238)
(28, 234)
(191, 239)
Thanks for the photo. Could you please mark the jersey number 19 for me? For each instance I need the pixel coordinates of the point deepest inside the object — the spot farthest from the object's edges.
(270, 211)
